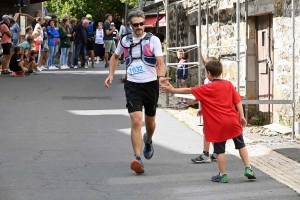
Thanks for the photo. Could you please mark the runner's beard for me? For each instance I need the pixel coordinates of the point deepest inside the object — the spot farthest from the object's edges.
(139, 32)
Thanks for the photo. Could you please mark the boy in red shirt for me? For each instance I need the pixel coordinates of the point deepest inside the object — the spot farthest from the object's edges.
(223, 116)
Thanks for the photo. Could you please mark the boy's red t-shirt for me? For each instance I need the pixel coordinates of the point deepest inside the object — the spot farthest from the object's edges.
(220, 115)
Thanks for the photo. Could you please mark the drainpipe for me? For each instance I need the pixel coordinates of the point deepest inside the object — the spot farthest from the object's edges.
(199, 52)
(167, 46)
(238, 44)
(207, 32)
(293, 67)
(246, 58)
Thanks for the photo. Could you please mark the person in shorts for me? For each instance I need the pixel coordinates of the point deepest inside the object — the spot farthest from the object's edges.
(6, 42)
(16, 65)
(223, 116)
(108, 38)
(142, 84)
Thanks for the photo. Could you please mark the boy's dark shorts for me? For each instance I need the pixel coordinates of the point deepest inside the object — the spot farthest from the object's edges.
(219, 147)
(142, 94)
(6, 48)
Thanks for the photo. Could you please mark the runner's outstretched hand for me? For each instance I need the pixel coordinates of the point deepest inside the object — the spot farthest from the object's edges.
(163, 81)
(108, 81)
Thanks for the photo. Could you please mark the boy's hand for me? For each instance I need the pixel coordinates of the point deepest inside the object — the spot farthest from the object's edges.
(166, 87)
(199, 113)
(243, 122)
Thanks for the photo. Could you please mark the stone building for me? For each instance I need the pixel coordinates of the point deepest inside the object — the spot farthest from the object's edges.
(265, 69)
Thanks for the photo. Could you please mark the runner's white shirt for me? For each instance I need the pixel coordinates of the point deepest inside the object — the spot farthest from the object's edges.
(147, 73)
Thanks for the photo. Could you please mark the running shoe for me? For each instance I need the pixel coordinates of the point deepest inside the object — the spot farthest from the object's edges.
(219, 178)
(249, 173)
(201, 159)
(137, 165)
(148, 150)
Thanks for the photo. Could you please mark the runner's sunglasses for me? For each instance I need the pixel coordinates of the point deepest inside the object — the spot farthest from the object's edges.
(138, 24)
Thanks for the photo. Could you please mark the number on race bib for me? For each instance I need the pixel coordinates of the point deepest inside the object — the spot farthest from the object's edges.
(136, 69)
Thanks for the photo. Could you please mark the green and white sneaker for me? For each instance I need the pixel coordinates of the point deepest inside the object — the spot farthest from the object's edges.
(249, 173)
(219, 178)
(201, 159)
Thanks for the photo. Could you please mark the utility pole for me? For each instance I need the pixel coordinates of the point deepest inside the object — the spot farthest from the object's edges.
(141, 4)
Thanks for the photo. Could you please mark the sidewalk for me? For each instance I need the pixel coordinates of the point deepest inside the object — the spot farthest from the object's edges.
(279, 167)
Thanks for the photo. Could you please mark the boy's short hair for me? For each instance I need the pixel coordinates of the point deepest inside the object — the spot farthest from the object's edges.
(30, 38)
(215, 67)
(17, 49)
(32, 52)
(211, 58)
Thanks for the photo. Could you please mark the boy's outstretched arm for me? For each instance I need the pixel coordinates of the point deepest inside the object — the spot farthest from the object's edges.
(170, 89)
(241, 114)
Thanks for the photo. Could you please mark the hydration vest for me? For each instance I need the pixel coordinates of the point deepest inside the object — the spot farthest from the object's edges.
(90, 29)
(146, 55)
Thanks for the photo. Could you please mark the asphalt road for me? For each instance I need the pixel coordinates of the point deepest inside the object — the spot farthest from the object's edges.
(63, 136)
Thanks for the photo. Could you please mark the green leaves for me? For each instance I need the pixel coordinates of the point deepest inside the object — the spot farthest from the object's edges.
(79, 8)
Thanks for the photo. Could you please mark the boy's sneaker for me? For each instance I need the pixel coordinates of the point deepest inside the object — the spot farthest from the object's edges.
(249, 173)
(148, 150)
(214, 157)
(219, 178)
(137, 165)
(75, 67)
(106, 65)
(201, 159)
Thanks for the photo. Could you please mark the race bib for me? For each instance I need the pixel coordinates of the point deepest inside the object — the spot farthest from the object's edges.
(136, 68)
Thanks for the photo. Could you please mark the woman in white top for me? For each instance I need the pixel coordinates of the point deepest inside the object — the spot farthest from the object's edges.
(99, 43)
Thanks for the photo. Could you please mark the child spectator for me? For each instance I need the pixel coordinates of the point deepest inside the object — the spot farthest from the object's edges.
(33, 66)
(16, 65)
(223, 116)
(28, 32)
(25, 47)
(204, 157)
(182, 73)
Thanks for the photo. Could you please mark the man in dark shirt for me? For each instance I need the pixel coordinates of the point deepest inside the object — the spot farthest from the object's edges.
(80, 40)
(108, 38)
(37, 14)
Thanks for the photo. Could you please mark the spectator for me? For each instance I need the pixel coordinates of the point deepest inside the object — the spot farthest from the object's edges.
(33, 66)
(5, 42)
(53, 42)
(45, 48)
(109, 43)
(15, 30)
(28, 32)
(99, 43)
(121, 33)
(65, 43)
(37, 14)
(182, 73)
(91, 31)
(73, 22)
(80, 40)
(16, 65)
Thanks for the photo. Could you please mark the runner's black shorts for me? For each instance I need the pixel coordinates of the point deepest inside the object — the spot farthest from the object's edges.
(90, 44)
(142, 94)
(219, 147)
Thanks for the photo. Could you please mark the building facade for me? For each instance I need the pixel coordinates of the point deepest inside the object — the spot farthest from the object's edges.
(265, 69)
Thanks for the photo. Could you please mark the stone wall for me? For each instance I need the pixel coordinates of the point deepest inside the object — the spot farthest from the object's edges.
(283, 74)
(222, 32)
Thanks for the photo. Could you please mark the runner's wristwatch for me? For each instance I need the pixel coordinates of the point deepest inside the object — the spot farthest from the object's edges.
(159, 77)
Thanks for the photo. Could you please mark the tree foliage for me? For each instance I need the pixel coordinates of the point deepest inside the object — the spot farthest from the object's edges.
(79, 8)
